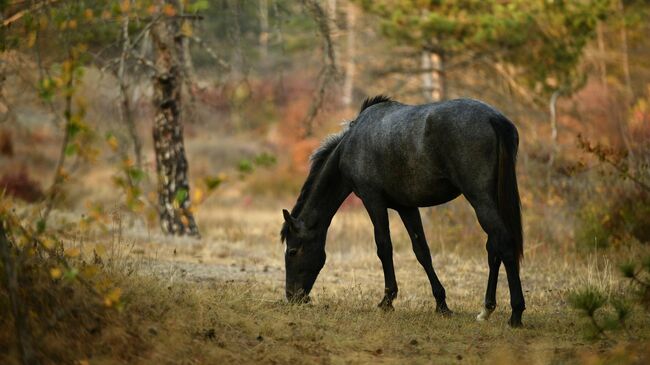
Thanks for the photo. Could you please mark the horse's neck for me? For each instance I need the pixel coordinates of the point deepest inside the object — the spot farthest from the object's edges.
(326, 196)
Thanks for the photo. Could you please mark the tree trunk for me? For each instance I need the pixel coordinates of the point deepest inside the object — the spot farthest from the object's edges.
(625, 53)
(602, 53)
(350, 66)
(264, 31)
(127, 115)
(187, 30)
(433, 80)
(171, 165)
(331, 10)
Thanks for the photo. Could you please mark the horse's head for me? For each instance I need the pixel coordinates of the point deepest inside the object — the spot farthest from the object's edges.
(304, 257)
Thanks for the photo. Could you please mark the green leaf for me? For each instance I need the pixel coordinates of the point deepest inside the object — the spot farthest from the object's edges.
(70, 149)
(212, 182)
(136, 175)
(40, 226)
(265, 159)
(245, 166)
(71, 274)
(73, 129)
(181, 196)
(198, 6)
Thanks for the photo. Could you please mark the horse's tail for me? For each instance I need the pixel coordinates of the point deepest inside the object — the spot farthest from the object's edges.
(507, 191)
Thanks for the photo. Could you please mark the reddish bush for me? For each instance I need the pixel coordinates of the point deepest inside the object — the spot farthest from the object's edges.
(19, 185)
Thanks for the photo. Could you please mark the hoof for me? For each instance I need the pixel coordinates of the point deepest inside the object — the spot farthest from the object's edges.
(515, 320)
(386, 305)
(484, 315)
(444, 310)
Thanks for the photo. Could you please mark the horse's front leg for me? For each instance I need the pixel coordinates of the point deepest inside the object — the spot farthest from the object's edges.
(379, 216)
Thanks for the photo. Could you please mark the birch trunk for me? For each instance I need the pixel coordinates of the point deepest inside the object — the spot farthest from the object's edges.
(171, 164)
(264, 30)
(433, 80)
(350, 66)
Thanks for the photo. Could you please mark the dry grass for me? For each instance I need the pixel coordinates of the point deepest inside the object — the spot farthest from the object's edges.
(220, 300)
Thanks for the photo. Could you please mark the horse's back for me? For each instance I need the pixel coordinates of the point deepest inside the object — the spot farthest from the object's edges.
(424, 154)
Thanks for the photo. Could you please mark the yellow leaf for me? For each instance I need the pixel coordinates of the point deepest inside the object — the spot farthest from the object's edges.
(48, 243)
(198, 195)
(185, 221)
(72, 252)
(115, 294)
(112, 297)
(112, 142)
(55, 273)
(90, 271)
(42, 22)
(31, 39)
(88, 14)
(186, 29)
(72, 24)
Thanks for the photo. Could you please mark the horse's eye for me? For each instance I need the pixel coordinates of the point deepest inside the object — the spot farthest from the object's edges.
(292, 252)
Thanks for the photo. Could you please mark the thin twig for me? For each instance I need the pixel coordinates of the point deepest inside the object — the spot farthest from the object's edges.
(58, 172)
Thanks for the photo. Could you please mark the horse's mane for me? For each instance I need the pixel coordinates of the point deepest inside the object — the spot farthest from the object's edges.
(320, 156)
(374, 100)
(318, 159)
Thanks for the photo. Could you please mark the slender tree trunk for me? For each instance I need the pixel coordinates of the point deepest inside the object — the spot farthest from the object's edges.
(331, 10)
(625, 53)
(554, 137)
(171, 164)
(433, 78)
(438, 92)
(127, 115)
(264, 30)
(602, 63)
(350, 65)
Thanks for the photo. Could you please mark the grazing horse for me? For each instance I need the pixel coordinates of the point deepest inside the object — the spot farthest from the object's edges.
(403, 157)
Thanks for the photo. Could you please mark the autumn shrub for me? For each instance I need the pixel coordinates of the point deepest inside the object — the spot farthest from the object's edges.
(63, 301)
(616, 207)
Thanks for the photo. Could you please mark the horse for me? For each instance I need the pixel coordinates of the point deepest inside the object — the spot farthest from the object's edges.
(402, 157)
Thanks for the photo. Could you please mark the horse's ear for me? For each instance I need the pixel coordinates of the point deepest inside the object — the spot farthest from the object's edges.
(294, 223)
(287, 216)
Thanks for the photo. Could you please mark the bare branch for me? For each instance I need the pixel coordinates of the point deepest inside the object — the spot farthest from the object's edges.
(328, 71)
(22, 13)
(220, 61)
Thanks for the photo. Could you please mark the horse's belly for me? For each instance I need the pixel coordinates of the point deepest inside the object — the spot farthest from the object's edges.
(421, 192)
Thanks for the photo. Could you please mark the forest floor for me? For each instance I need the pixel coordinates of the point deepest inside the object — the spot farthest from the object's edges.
(221, 300)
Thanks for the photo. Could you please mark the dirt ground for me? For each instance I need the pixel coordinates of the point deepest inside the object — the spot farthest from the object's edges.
(231, 285)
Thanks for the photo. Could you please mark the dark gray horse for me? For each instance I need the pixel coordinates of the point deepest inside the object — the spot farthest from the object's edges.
(403, 157)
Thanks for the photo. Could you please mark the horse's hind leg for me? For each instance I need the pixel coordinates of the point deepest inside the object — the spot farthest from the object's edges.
(499, 243)
(379, 216)
(494, 262)
(413, 224)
